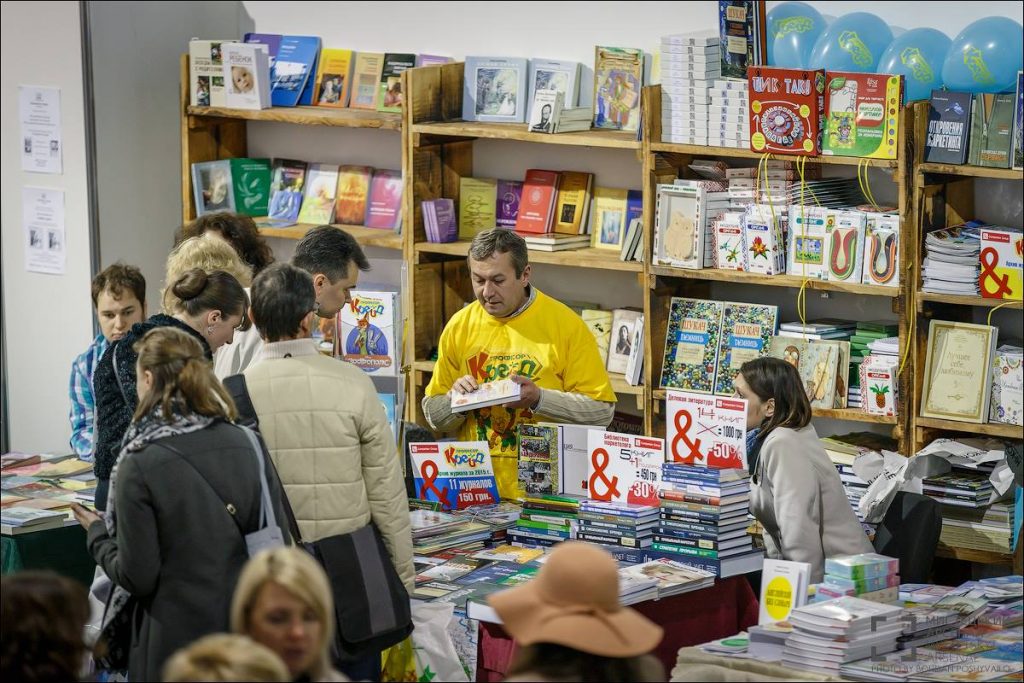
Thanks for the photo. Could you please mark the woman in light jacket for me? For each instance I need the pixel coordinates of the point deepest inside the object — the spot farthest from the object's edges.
(795, 491)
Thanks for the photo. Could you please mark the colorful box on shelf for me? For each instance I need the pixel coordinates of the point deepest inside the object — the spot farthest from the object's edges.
(1002, 264)
(787, 110)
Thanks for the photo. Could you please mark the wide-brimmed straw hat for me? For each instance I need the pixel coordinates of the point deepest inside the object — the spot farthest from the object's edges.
(574, 601)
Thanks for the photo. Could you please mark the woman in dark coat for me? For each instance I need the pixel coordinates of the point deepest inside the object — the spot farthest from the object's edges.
(185, 492)
(207, 306)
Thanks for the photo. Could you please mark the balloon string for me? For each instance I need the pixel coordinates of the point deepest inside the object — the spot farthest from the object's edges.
(996, 308)
(910, 332)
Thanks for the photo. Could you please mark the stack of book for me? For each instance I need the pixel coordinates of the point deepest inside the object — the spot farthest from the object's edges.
(868, 576)
(556, 241)
(959, 488)
(689, 64)
(925, 624)
(827, 635)
(573, 119)
(617, 524)
(673, 578)
(435, 531)
(634, 587)
(952, 259)
(729, 114)
(922, 593)
(823, 328)
(988, 527)
(768, 640)
(22, 520)
(439, 220)
(860, 350)
(499, 518)
(702, 520)
(545, 521)
(843, 449)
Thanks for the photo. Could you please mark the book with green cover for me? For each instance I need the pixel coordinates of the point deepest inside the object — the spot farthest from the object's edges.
(251, 181)
(745, 334)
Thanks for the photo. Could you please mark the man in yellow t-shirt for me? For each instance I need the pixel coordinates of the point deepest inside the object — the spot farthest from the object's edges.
(513, 330)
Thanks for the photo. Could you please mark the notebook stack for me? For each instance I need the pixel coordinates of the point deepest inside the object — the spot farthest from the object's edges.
(545, 520)
(556, 241)
(690, 62)
(702, 520)
(624, 525)
(860, 349)
(673, 578)
(959, 488)
(987, 527)
(499, 518)
(827, 635)
(926, 624)
(439, 220)
(435, 531)
(952, 259)
(868, 576)
(22, 520)
(729, 114)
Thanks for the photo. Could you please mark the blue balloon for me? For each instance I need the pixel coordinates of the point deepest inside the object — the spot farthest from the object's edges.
(985, 57)
(853, 42)
(793, 28)
(917, 55)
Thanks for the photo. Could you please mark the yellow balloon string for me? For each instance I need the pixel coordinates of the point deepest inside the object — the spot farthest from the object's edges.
(996, 308)
(865, 184)
(910, 333)
(771, 204)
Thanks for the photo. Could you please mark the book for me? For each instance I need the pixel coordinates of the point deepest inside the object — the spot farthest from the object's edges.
(477, 206)
(816, 361)
(350, 205)
(458, 474)
(787, 109)
(1007, 403)
(16, 520)
(958, 375)
(808, 243)
(538, 459)
(390, 97)
(783, 589)
(271, 40)
(334, 77)
(318, 200)
(509, 194)
(1018, 123)
(432, 60)
(600, 325)
(537, 203)
(294, 68)
(618, 78)
(370, 323)
(1002, 271)
(211, 187)
(621, 344)
(250, 184)
(745, 335)
(206, 72)
(560, 76)
(384, 205)
(862, 116)
(498, 392)
(998, 129)
(246, 75)
(635, 363)
(495, 89)
(881, 250)
(949, 127)
(572, 202)
(692, 344)
(366, 80)
(286, 182)
(608, 222)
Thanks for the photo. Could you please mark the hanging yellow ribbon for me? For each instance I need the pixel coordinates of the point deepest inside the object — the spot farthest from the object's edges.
(913, 324)
(996, 308)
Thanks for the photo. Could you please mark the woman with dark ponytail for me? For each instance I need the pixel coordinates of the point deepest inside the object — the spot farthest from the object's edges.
(186, 492)
(208, 306)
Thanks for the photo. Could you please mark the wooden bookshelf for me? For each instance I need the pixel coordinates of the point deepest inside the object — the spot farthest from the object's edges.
(971, 171)
(739, 153)
(961, 300)
(588, 257)
(368, 237)
(791, 281)
(302, 116)
(979, 556)
(996, 429)
(609, 139)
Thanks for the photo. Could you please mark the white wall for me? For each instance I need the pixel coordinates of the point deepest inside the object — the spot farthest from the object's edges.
(47, 318)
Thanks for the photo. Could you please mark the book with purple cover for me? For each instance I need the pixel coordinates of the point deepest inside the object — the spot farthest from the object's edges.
(510, 192)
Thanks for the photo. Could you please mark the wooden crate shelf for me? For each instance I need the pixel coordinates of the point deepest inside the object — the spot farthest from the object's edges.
(791, 281)
(960, 300)
(604, 259)
(1002, 431)
(306, 116)
(608, 139)
(847, 414)
(368, 237)
(971, 171)
(737, 153)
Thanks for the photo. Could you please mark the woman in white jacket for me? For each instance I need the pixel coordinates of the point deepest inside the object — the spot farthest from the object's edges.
(795, 491)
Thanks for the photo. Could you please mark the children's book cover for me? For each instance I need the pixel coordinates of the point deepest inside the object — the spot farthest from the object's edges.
(334, 77)
(390, 97)
(745, 335)
(384, 207)
(816, 361)
(368, 325)
(618, 79)
(863, 115)
(691, 345)
(353, 192)
(318, 202)
(458, 474)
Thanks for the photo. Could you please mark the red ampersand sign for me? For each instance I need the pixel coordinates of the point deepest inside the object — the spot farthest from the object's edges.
(611, 487)
(681, 430)
(989, 261)
(429, 473)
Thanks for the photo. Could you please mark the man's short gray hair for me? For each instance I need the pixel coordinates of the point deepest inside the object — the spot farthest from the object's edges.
(501, 241)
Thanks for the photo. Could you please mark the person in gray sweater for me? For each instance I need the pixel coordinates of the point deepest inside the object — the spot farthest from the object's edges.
(795, 491)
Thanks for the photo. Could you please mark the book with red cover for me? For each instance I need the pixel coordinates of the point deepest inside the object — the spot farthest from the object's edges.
(353, 190)
(787, 110)
(385, 206)
(538, 200)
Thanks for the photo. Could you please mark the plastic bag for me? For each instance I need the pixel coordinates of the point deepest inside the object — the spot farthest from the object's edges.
(428, 654)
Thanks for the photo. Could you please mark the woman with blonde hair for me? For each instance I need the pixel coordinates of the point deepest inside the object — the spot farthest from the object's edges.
(208, 253)
(225, 657)
(187, 490)
(284, 601)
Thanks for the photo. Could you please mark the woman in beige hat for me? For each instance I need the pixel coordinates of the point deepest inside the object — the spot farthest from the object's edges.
(569, 625)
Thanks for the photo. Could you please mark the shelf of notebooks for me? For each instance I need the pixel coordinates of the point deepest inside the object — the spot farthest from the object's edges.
(588, 257)
(619, 383)
(782, 280)
(368, 237)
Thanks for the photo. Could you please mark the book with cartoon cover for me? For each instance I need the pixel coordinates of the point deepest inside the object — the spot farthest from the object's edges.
(692, 345)
(745, 335)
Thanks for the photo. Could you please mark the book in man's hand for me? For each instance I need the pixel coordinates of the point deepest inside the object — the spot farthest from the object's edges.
(489, 394)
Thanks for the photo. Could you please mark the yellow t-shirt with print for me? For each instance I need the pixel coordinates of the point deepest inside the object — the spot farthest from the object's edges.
(547, 342)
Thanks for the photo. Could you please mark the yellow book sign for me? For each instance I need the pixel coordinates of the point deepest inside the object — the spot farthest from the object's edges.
(783, 589)
(333, 78)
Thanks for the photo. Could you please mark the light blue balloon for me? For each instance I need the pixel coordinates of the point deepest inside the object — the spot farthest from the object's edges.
(918, 56)
(853, 42)
(985, 57)
(793, 28)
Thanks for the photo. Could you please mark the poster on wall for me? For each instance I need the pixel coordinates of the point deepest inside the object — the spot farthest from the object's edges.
(42, 211)
(41, 147)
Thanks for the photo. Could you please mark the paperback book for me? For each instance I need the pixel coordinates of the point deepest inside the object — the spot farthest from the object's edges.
(247, 76)
(495, 89)
(560, 76)
(457, 474)
(353, 193)
(384, 207)
(692, 345)
(334, 77)
(498, 392)
(293, 71)
(390, 97)
(618, 78)
(369, 323)
(318, 202)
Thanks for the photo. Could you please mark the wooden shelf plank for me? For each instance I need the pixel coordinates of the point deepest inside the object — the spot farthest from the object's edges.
(604, 259)
(847, 414)
(960, 300)
(1003, 431)
(972, 171)
(619, 383)
(367, 237)
(612, 139)
(737, 153)
(972, 555)
(791, 281)
(306, 116)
